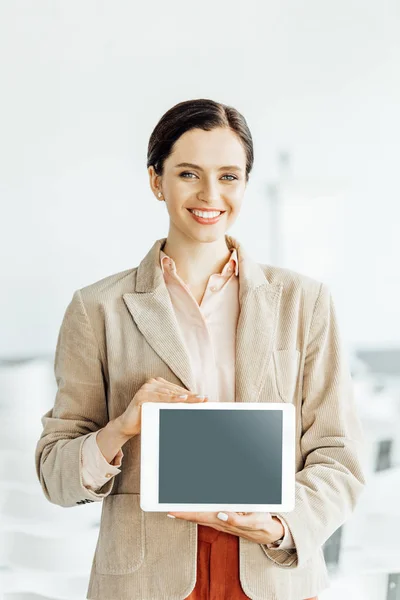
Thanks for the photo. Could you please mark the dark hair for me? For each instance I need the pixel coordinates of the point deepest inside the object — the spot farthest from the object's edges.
(199, 113)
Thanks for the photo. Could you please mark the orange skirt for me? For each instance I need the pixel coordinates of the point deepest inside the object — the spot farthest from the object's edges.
(218, 567)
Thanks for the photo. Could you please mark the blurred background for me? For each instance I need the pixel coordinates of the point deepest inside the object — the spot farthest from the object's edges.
(82, 86)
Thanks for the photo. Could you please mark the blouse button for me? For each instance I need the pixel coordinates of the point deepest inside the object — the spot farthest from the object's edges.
(108, 474)
(213, 288)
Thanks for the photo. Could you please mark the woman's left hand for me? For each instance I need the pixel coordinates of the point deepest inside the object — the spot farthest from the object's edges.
(259, 527)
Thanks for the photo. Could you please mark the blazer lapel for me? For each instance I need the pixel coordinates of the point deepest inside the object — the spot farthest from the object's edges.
(151, 308)
(259, 305)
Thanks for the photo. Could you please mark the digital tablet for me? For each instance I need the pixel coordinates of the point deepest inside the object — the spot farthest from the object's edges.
(235, 456)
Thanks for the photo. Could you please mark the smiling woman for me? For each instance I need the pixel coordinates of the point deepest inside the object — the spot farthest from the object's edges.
(199, 159)
(199, 317)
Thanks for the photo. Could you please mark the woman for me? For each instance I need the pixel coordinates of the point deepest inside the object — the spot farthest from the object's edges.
(199, 317)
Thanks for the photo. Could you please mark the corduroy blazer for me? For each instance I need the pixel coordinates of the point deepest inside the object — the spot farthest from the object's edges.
(120, 331)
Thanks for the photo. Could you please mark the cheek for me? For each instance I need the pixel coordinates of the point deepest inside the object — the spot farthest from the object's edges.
(179, 195)
(236, 196)
(235, 204)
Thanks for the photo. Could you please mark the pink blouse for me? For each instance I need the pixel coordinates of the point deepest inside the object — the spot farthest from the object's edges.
(209, 331)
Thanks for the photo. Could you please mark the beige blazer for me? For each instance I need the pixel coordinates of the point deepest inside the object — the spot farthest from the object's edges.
(120, 331)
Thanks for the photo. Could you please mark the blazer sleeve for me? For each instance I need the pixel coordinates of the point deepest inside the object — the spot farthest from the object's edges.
(80, 408)
(332, 479)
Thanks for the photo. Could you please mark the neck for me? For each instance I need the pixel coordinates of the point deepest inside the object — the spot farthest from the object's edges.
(196, 261)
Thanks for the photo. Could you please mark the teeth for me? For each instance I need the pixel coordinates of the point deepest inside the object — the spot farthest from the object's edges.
(206, 215)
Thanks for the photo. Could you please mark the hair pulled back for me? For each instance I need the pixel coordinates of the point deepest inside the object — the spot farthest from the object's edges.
(198, 113)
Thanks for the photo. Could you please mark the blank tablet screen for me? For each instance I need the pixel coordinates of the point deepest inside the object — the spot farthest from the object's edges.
(225, 456)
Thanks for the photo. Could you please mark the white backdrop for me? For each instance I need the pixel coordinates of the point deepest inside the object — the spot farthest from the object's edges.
(84, 83)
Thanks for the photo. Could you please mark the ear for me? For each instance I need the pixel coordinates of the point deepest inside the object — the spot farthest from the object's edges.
(154, 180)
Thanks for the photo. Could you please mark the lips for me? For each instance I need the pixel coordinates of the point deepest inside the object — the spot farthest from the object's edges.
(205, 220)
(207, 210)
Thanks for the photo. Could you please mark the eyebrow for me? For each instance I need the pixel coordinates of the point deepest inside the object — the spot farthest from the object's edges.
(186, 164)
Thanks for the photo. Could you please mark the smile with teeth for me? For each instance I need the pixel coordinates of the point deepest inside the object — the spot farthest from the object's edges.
(205, 214)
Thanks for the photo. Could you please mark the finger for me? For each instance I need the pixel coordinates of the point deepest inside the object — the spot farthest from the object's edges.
(173, 386)
(164, 390)
(197, 517)
(165, 385)
(246, 521)
(176, 388)
(174, 396)
(209, 519)
(189, 398)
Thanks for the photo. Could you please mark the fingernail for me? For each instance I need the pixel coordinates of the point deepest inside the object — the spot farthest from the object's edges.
(223, 516)
(171, 516)
(183, 396)
(199, 396)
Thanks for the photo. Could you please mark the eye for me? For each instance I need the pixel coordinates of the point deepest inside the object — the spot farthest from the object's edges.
(190, 173)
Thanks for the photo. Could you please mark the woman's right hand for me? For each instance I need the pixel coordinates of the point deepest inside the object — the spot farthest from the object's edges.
(153, 390)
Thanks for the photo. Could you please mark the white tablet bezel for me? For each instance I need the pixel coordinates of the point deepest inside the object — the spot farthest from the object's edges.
(149, 457)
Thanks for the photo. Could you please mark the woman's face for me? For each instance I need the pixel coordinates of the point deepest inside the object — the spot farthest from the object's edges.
(216, 178)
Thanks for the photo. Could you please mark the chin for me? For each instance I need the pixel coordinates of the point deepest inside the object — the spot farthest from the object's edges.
(211, 236)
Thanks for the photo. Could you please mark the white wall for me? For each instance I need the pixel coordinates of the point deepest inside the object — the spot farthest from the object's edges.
(84, 83)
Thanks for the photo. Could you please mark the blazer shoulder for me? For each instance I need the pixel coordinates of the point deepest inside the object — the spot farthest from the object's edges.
(293, 281)
(109, 288)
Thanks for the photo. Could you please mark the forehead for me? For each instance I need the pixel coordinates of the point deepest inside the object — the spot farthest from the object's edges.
(220, 146)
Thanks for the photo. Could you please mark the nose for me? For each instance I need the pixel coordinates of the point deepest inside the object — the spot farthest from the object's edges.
(209, 191)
